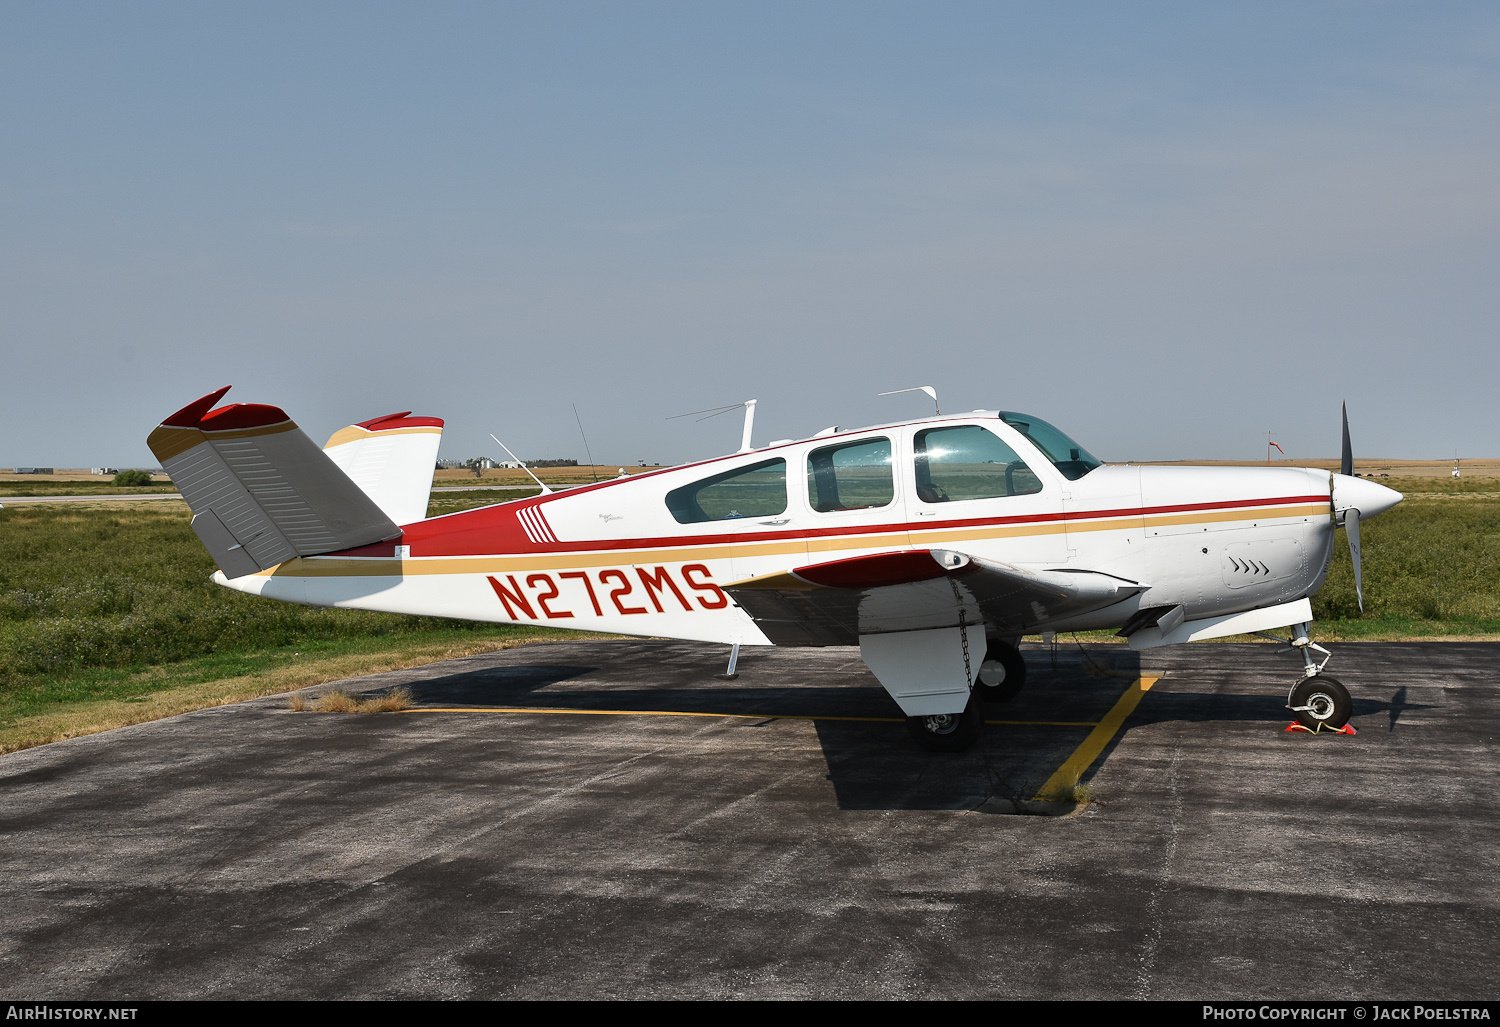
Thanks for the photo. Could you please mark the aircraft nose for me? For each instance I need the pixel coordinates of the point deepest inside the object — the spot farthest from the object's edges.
(1368, 497)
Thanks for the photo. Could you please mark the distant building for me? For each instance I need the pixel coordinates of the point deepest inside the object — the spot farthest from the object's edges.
(34, 470)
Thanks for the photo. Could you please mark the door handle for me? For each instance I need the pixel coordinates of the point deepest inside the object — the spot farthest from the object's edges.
(781, 521)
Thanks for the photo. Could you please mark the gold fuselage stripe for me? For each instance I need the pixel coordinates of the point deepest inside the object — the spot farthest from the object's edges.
(334, 566)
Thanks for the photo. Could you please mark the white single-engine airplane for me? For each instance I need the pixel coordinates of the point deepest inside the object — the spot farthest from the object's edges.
(933, 545)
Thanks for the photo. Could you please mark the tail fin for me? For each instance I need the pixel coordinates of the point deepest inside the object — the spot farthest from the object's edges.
(391, 458)
(261, 491)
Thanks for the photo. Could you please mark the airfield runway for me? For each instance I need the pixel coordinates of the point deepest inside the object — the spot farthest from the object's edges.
(501, 851)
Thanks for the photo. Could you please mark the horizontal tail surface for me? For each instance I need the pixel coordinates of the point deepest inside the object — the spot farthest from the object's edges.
(391, 459)
(261, 491)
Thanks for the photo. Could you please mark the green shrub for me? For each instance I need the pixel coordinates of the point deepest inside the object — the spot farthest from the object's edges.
(133, 479)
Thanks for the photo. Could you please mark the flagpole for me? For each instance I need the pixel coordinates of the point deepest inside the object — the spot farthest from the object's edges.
(1269, 444)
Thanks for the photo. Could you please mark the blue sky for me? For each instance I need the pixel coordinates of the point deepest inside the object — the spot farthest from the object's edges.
(1168, 228)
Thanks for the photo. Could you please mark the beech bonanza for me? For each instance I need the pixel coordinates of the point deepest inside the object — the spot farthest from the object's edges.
(933, 545)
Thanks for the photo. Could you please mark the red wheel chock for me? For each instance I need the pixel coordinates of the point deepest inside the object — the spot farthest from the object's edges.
(1347, 729)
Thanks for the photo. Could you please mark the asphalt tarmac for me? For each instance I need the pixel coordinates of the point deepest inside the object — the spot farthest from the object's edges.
(249, 851)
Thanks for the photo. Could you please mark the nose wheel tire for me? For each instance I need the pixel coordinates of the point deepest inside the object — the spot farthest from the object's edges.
(948, 732)
(1320, 701)
(1001, 675)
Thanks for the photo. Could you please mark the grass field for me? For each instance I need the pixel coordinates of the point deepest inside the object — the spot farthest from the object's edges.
(108, 616)
(1431, 567)
(45, 487)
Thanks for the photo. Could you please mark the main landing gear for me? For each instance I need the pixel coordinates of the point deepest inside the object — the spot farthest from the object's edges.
(1318, 701)
(949, 732)
(1002, 674)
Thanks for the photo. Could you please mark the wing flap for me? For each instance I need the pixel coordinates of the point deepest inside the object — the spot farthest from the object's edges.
(835, 603)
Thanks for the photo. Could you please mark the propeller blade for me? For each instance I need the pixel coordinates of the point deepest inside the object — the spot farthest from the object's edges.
(1351, 528)
(1346, 464)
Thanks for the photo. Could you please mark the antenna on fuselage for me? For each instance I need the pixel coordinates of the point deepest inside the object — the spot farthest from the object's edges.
(545, 490)
(920, 388)
(586, 449)
(749, 406)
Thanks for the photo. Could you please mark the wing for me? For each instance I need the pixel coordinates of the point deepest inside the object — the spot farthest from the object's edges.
(916, 589)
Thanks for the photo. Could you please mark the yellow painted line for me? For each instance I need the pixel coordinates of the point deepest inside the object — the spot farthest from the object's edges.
(1046, 723)
(738, 716)
(647, 713)
(1084, 756)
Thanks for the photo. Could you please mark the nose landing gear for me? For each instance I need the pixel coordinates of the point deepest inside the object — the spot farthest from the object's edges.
(1319, 702)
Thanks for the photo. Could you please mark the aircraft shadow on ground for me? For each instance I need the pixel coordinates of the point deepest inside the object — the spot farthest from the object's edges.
(1004, 772)
(875, 763)
(494, 686)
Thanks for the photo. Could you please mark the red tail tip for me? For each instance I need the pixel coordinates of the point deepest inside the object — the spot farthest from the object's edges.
(199, 414)
(190, 415)
(401, 420)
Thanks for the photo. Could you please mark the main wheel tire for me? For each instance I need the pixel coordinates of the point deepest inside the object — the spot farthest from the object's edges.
(1001, 675)
(948, 732)
(1320, 701)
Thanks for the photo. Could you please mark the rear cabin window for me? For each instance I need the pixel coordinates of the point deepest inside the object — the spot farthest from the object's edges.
(969, 462)
(853, 476)
(755, 491)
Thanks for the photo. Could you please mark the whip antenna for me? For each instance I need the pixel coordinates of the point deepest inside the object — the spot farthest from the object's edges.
(545, 490)
(585, 444)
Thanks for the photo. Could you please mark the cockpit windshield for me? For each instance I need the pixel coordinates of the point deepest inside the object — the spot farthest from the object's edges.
(1066, 455)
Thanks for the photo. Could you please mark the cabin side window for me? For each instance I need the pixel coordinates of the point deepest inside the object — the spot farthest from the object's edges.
(852, 476)
(968, 462)
(755, 491)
